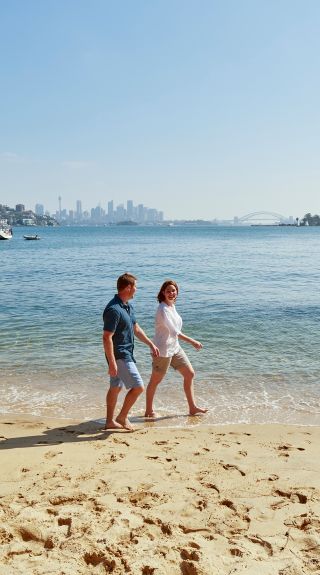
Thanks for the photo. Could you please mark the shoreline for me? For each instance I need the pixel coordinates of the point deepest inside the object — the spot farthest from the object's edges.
(226, 402)
(204, 500)
(142, 423)
(182, 420)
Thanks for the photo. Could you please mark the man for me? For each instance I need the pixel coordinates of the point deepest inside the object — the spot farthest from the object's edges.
(119, 329)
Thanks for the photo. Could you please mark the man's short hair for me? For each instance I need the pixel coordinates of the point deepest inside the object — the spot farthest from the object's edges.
(125, 280)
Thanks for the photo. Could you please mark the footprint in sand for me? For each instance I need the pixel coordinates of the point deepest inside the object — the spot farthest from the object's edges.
(229, 504)
(30, 533)
(293, 495)
(65, 521)
(236, 552)
(265, 544)
(120, 441)
(51, 454)
(285, 448)
(228, 466)
(201, 504)
(95, 559)
(188, 568)
(210, 486)
(192, 554)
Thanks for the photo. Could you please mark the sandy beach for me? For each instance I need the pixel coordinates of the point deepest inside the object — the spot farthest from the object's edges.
(241, 499)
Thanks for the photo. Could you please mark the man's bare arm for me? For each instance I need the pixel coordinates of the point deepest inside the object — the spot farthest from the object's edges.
(108, 348)
(139, 333)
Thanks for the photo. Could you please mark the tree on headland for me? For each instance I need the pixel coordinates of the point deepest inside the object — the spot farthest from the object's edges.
(309, 220)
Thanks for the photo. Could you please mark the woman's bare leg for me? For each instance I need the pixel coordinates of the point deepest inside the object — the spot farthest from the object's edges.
(155, 379)
(188, 375)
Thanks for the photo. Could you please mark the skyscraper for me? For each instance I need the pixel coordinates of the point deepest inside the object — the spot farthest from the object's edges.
(79, 210)
(130, 209)
(39, 209)
(110, 211)
(141, 213)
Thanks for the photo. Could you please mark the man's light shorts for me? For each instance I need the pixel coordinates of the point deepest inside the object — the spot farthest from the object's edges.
(128, 375)
(177, 361)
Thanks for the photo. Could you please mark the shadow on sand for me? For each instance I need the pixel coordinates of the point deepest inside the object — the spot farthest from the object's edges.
(73, 433)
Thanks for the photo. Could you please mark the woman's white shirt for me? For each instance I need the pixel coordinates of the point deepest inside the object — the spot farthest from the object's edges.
(168, 324)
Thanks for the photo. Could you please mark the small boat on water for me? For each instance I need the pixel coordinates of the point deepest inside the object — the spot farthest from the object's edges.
(36, 237)
(5, 233)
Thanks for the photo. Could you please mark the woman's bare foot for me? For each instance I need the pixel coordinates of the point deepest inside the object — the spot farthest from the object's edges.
(125, 423)
(198, 411)
(150, 414)
(112, 424)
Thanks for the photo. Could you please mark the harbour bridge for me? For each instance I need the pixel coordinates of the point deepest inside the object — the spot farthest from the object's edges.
(271, 217)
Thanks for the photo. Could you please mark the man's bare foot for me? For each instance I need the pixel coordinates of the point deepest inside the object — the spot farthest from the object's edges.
(125, 423)
(150, 414)
(198, 411)
(112, 424)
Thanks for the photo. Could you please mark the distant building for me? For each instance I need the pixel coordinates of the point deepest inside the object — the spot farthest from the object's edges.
(79, 210)
(28, 222)
(130, 210)
(121, 213)
(110, 211)
(97, 214)
(20, 208)
(152, 215)
(141, 213)
(39, 210)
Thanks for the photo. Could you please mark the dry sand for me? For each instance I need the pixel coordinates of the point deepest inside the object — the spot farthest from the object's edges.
(241, 499)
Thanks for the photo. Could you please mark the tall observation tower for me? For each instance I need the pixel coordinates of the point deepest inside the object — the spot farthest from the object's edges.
(59, 198)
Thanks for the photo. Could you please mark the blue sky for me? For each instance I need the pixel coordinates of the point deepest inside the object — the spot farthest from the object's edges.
(202, 109)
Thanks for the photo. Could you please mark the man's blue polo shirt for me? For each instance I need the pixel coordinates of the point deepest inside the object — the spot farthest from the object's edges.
(119, 318)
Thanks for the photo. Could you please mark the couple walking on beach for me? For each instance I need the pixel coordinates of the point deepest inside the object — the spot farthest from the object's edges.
(120, 328)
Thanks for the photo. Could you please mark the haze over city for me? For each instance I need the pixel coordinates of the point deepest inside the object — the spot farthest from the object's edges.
(200, 109)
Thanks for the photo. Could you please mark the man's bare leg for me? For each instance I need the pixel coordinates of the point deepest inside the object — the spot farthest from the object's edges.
(188, 375)
(129, 401)
(111, 400)
(155, 379)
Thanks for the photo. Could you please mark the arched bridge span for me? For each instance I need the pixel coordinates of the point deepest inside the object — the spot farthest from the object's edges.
(262, 216)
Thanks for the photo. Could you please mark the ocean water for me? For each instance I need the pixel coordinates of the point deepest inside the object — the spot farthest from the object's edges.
(249, 294)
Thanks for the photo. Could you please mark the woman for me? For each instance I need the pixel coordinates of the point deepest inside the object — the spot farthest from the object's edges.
(168, 326)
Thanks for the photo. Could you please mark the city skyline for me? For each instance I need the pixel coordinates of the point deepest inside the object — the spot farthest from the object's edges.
(113, 213)
(200, 108)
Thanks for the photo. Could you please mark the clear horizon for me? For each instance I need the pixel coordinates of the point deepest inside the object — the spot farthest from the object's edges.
(192, 108)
